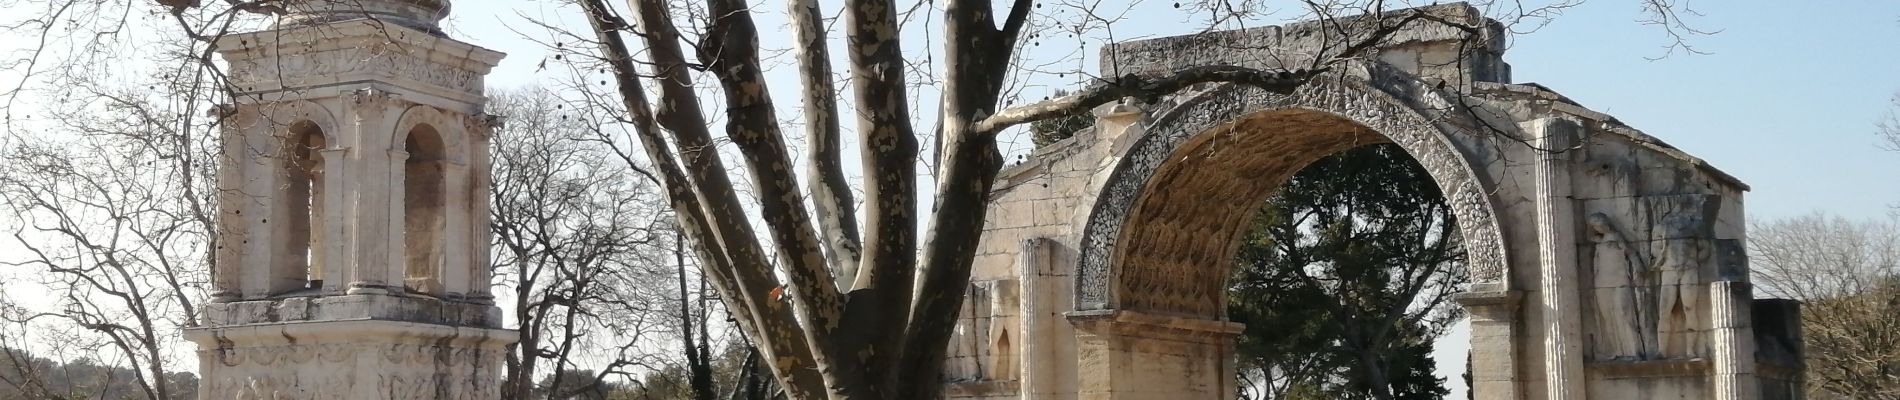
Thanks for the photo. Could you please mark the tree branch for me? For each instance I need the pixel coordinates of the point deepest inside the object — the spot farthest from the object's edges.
(730, 255)
(830, 194)
(1134, 85)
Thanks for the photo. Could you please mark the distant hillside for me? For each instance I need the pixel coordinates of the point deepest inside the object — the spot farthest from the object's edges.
(23, 376)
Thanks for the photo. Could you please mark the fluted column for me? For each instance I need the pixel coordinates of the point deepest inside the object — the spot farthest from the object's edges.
(1557, 251)
(480, 166)
(369, 238)
(1734, 341)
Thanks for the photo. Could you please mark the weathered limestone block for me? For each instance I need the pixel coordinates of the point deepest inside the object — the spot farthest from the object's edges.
(1430, 50)
(354, 262)
(1129, 355)
(363, 359)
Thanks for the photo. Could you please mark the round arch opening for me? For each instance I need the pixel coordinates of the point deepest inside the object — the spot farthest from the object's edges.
(424, 208)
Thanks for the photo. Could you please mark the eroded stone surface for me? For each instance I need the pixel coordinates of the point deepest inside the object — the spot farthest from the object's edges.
(1139, 215)
(353, 262)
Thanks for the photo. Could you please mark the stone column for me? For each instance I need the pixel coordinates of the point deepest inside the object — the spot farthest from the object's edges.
(394, 265)
(453, 268)
(369, 234)
(1557, 249)
(1733, 340)
(480, 277)
(1130, 355)
(1494, 320)
(227, 274)
(328, 248)
(1039, 294)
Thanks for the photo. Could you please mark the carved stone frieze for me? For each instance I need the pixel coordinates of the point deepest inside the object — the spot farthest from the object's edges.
(379, 61)
(333, 370)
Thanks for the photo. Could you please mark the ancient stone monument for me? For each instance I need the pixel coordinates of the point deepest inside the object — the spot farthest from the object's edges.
(1608, 265)
(352, 261)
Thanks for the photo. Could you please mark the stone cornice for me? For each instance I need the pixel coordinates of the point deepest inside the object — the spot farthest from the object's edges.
(348, 331)
(1136, 323)
(349, 34)
(352, 53)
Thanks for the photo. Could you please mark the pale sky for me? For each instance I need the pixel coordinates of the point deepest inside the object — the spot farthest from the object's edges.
(1787, 98)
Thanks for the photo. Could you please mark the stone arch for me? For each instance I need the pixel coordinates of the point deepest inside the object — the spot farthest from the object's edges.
(289, 113)
(432, 148)
(1168, 203)
(298, 134)
(450, 129)
(301, 166)
(424, 208)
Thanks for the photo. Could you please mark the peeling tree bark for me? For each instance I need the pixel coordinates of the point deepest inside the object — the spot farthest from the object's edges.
(824, 165)
(746, 286)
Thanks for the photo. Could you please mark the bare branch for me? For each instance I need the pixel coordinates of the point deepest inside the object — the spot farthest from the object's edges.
(1139, 86)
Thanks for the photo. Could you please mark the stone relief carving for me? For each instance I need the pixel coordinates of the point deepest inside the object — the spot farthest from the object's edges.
(1625, 292)
(383, 61)
(482, 125)
(1170, 125)
(406, 371)
(370, 105)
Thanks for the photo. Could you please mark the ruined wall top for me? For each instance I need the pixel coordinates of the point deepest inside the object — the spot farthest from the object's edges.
(1436, 47)
(419, 14)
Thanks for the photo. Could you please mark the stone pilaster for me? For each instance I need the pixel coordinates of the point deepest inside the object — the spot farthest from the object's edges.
(1557, 251)
(1129, 355)
(1733, 341)
(1494, 319)
(1032, 259)
(329, 251)
(455, 243)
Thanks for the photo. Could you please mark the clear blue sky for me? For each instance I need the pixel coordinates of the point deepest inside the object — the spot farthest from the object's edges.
(1787, 101)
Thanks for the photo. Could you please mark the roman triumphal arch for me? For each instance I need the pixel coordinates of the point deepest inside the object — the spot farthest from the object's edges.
(1606, 264)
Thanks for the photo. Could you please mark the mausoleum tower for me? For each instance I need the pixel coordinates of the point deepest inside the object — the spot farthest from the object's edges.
(352, 258)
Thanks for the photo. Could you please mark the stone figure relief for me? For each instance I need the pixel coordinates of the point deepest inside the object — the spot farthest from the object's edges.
(1651, 286)
(1624, 289)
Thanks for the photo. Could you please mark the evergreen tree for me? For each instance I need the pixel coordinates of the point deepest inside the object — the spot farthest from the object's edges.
(1344, 280)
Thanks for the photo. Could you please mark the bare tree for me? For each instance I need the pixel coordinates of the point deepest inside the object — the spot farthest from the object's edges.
(115, 222)
(107, 148)
(582, 245)
(1889, 126)
(599, 277)
(1847, 274)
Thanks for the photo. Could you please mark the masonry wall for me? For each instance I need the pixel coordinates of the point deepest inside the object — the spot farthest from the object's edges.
(1023, 277)
(1653, 270)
